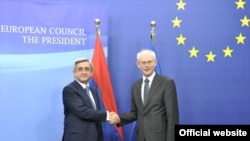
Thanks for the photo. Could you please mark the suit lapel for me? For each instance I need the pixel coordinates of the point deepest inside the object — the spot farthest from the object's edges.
(137, 94)
(82, 93)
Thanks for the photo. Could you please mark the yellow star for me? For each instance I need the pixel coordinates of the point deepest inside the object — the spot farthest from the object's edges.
(181, 39)
(245, 21)
(240, 39)
(240, 4)
(210, 57)
(193, 52)
(227, 52)
(181, 5)
(176, 22)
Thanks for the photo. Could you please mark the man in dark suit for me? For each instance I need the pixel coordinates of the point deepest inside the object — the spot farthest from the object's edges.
(82, 112)
(158, 113)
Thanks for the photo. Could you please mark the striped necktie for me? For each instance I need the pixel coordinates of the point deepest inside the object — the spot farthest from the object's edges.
(90, 97)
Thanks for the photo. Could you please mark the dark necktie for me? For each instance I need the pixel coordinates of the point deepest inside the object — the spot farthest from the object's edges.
(92, 100)
(146, 90)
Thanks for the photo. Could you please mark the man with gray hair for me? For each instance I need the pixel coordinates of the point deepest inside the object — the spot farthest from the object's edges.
(82, 112)
(153, 102)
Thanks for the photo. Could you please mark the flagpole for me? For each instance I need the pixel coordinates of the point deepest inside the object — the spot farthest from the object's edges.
(153, 25)
(152, 46)
(97, 23)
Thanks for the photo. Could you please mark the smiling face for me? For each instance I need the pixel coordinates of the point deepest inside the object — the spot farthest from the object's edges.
(146, 62)
(83, 71)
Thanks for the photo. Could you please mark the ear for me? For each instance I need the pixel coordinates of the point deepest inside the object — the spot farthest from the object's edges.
(74, 73)
(155, 63)
(137, 63)
(91, 73)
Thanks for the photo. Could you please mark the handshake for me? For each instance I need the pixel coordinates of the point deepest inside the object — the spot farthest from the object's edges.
(113, 118)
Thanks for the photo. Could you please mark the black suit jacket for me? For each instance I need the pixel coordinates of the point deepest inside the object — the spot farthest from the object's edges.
(81, 122)
(157, 119)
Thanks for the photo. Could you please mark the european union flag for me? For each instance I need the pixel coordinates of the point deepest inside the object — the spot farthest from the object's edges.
(210, 49)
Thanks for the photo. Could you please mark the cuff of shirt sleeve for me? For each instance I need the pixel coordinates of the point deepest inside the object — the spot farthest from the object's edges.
(107, 118)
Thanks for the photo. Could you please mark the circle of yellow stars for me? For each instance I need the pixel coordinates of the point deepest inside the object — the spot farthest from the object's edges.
(193, 53)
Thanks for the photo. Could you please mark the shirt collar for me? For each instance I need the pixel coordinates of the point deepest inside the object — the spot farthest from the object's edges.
(83, 85)
(150, 78)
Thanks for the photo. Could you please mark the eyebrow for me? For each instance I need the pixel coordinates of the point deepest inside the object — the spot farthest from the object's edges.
(86, 68)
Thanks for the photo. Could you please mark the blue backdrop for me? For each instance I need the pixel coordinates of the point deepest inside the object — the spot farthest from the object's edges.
(39, 41)
(204, 46)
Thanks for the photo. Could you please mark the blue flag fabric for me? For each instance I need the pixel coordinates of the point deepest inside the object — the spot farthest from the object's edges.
(157, 68)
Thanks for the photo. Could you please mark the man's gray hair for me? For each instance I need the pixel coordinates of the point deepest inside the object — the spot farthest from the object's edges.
(146, 51)
(80, 60)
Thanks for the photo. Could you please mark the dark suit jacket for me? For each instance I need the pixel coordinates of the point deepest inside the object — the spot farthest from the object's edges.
(157, 119)
(81, 122)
